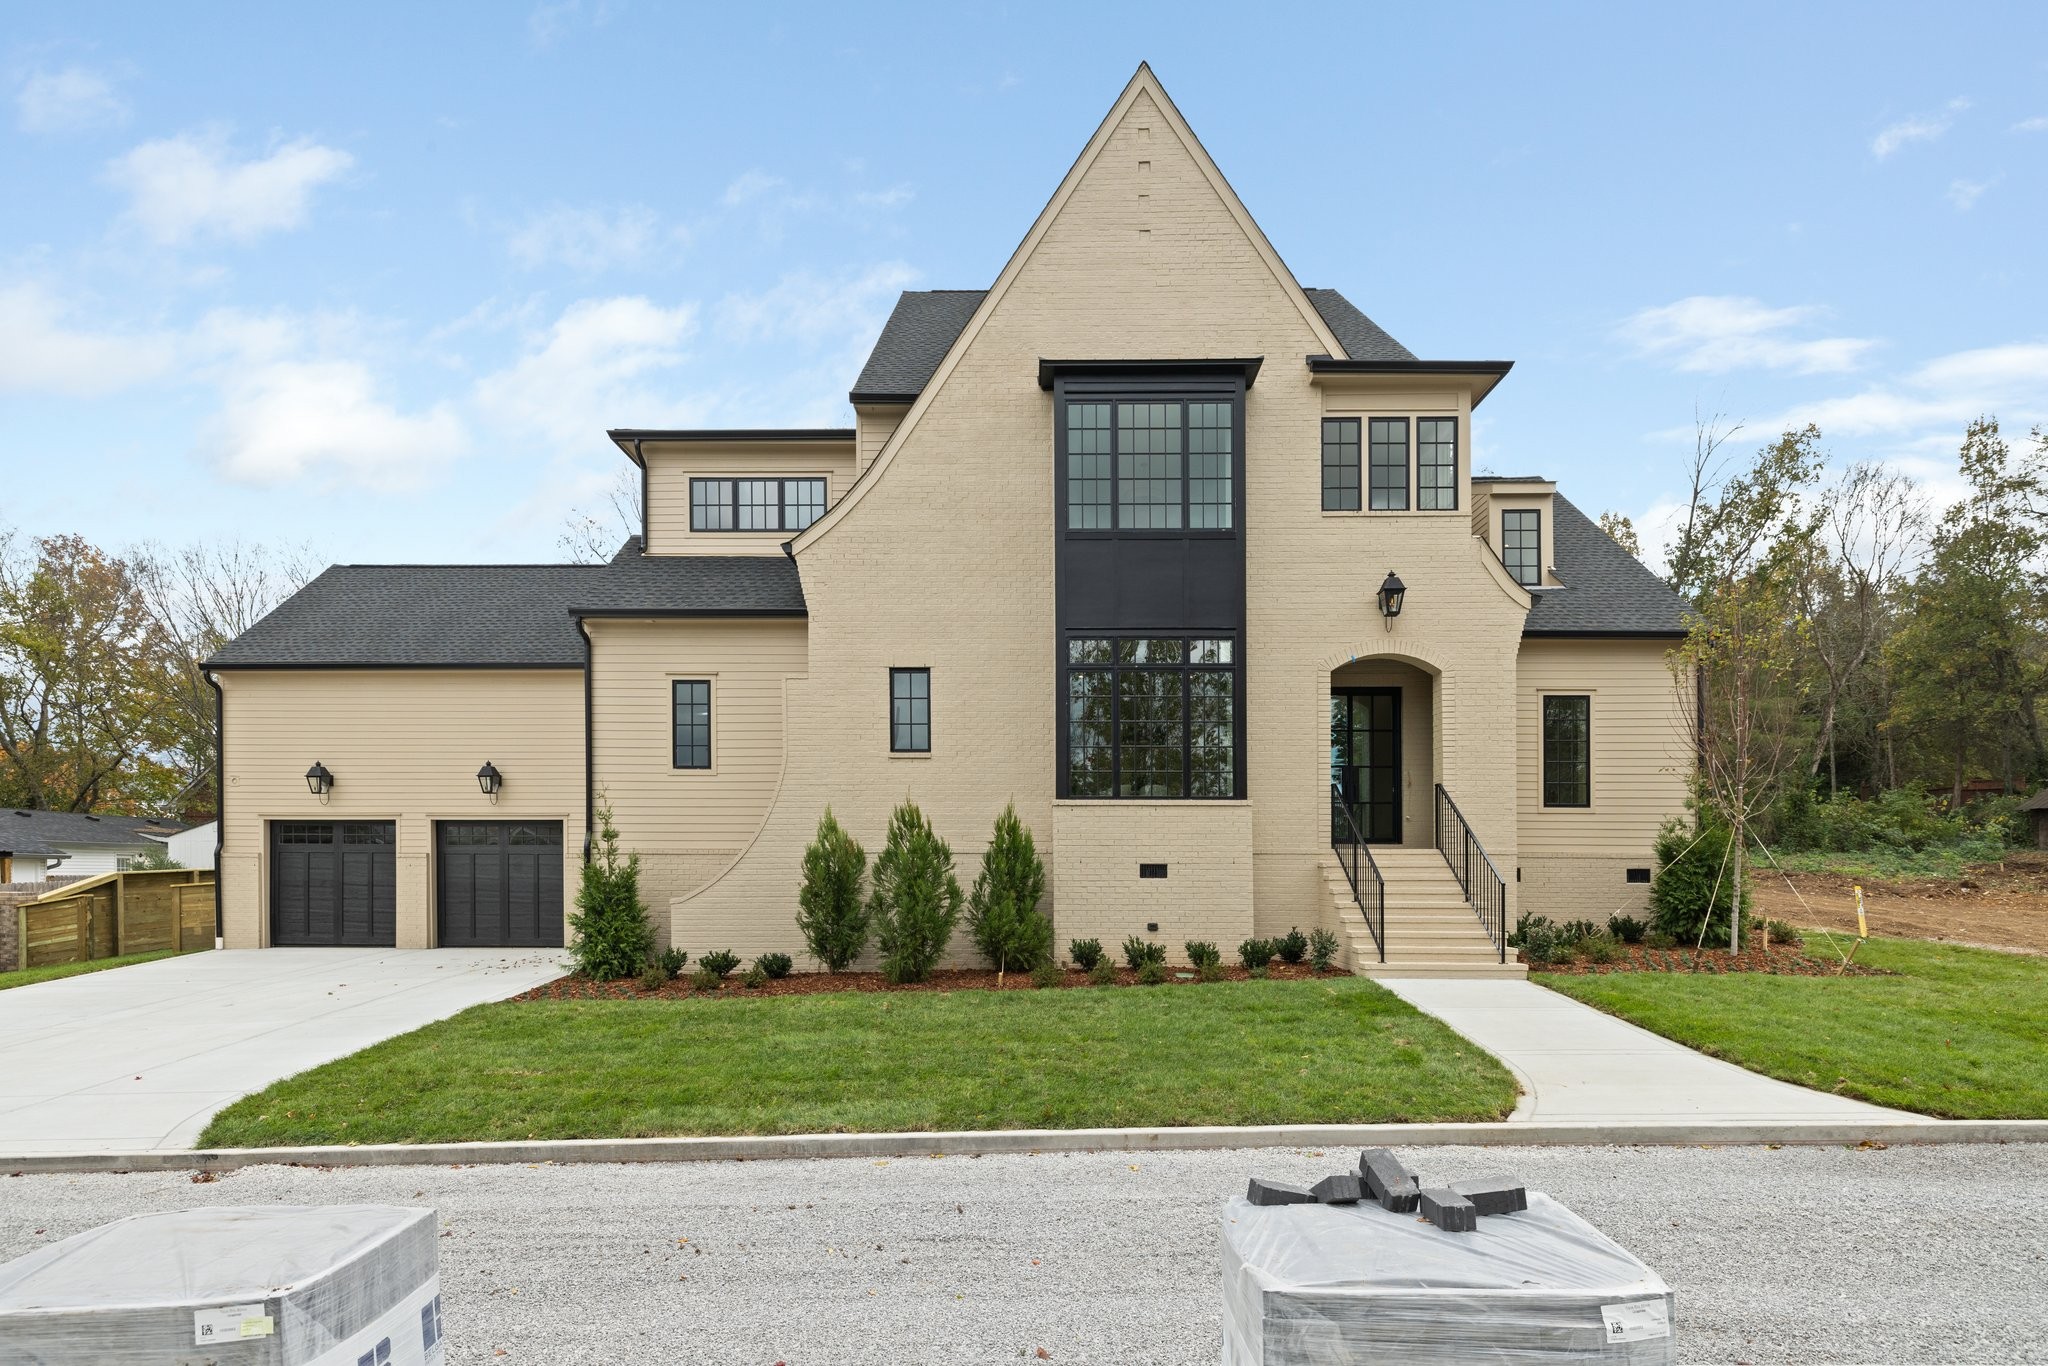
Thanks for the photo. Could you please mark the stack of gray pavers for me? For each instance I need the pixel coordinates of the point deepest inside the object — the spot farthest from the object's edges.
(273, 1286)
(1374, 1266)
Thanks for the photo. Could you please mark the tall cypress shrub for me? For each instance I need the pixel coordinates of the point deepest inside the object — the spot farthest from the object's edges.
(830, 910)
(1002, 911)
(1693, 888)
(916, 898)
(613, 936)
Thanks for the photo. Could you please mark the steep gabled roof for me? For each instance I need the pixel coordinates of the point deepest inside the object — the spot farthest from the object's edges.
(498, 615)
(1606, 591)
(924, 323)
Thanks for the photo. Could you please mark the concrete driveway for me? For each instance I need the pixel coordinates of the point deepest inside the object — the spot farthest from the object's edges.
(139, 1058)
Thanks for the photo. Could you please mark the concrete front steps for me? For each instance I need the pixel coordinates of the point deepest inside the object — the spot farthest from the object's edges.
(1431, 931)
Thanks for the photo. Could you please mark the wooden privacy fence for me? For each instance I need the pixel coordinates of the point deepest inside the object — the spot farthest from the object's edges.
(118, 913)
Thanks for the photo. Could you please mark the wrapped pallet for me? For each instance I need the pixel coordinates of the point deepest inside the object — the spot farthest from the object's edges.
(276, 1285)
(1320, 1285)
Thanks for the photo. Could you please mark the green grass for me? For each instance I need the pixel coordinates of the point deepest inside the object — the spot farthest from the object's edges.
(1338, 1050)
(1960, 1033)
(52, 971)
(1881, 864)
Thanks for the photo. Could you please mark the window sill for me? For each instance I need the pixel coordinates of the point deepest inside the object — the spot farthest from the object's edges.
(910, 754)
(1391, 512)
(1152, 801)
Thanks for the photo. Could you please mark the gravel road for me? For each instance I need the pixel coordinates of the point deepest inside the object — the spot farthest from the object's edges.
(1794, 1254)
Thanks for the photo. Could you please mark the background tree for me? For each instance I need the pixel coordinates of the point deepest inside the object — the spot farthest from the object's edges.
(593, 536)
(1623, 532)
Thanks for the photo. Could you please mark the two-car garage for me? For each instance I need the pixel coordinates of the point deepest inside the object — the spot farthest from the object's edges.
(497, 883)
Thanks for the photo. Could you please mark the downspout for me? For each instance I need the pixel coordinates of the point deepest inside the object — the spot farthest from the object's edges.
(589, 755)
(641, 461)
(220, 800)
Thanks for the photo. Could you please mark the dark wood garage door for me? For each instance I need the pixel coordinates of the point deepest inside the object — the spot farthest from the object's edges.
(331, 883)
(500, 884)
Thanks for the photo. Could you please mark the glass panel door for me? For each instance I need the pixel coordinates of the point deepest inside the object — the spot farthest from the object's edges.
(1365, 758)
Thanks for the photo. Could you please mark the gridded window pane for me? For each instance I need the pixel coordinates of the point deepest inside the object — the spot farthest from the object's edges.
(1090, 650)
(1089, 755)
(1148, 466)
(1212, 733)
(1388, 463)
(1436, 463)
(1210, 651)
(760, 504)
(1148, 650)
(1521, 544)
(1088, 467)
(1150, 724)
(803, 502)
(296, 832)
(711, 505)
(1567, 751)
(910, 710)
(693, 723)
(469, 836)
(1340, 464)
(369, 832)
(1209, 466)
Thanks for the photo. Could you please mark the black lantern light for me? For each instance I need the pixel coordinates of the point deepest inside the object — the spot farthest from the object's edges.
(1392, 591)
(490, 780)
(319, 781)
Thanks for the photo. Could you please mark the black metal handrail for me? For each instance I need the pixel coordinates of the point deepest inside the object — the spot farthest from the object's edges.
(1485, 890)
(1354, 856)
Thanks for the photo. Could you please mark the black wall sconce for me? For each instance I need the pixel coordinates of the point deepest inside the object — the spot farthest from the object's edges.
(1392, 593)
(490, 780)
(319, 781)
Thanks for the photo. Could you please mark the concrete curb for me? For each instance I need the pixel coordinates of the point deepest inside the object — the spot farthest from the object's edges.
(972, 1142)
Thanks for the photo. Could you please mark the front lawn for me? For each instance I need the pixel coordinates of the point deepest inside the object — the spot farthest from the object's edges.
(50, 972)
(1338, 1050)
(1959, 1033)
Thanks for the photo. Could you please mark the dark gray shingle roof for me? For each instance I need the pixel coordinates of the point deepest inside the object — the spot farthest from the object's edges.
(31, 834)
(924, 323)
(1607, 590)
(504, 615)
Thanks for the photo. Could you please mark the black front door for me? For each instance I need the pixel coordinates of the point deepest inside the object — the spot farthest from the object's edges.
(1365, 758)
(333, 883)
(500, 884)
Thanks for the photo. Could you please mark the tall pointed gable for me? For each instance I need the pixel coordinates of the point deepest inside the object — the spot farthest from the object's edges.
(1134, 210)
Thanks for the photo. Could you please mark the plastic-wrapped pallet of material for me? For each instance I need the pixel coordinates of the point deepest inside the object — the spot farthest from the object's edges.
(275, 1285)
(1320, 1285)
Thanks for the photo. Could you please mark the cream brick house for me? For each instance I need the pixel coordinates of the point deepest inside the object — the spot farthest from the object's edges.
(1188, 561)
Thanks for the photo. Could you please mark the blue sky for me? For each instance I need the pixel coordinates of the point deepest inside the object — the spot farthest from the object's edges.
(376, 277)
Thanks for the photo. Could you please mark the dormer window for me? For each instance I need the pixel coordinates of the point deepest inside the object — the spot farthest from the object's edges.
(1521, 545)
(755, 504)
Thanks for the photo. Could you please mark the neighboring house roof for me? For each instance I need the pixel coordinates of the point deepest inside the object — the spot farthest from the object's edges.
(500, 615)
(2037, 802)
(1606, 592)
(924, 323)
(53, 834)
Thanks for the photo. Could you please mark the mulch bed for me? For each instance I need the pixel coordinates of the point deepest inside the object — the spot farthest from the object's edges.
(574, 988)
(1776, 960)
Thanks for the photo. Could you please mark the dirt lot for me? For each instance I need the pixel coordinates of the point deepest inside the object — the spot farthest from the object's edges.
(2000, 905)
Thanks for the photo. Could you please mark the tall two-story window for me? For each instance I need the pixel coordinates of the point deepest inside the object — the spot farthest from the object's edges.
(1151, 466)
(1436, 463)
(1387, 464)
(1151, 717)
(755, 504)
(692, 701)
(1340, 464)
(1521, 545)
(1567, 751)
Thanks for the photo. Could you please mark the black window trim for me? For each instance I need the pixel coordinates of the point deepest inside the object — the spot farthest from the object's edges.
(1543, 741)
(1113, 389)
(1236, 669)
(1457, 458)
(1323, 466)
(675, 727)
(1537, 514)
(894, 671)
(1407, 466)
(732, 504)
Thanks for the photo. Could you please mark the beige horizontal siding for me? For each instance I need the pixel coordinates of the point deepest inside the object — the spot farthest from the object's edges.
(670, 469)
(877, 422)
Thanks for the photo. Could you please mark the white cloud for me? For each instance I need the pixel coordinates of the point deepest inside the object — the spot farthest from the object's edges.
(546, 24)
(583, 374)
(750, 185)
(68, 100)
(1718, 333)
(1964, 194)
(192, 185)
(589, 240)
(2038, 124)
(290, 420)
(41, 351)
(1919, 128)
(895, 197)
(811, 310)
(1930, 405)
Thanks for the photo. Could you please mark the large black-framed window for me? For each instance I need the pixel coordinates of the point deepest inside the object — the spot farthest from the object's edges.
(1151, 465)
(755, 504)
(1340, 464)
(910, 711)
(1521, 544)
(1568, 751)
(692, 701)
(1152, 717)
(1387, 463)
(1436, 464)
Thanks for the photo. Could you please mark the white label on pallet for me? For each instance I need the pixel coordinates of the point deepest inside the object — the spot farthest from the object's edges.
(230, 1323)
(1636, 1322)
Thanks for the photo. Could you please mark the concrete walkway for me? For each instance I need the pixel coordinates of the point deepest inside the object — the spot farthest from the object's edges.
(1579, 1065)
(138, 1059)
